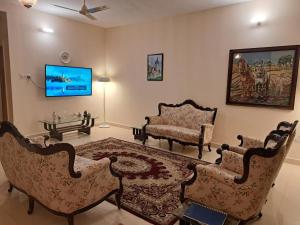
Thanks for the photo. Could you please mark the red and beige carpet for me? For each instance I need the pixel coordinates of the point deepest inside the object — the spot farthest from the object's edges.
(152, 177)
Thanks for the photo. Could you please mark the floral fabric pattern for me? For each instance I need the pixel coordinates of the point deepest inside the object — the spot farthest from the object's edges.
(173, 132)
(182, 123)
(215, 186)
(47, 178)
(249, 142)
(232, 161)
(186, 116)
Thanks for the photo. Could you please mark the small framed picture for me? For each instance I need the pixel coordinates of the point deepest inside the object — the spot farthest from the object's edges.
(155, 67)
(263, 76)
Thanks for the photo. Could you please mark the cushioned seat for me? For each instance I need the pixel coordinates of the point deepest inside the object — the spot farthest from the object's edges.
(55, 177)
(240, 185)
(186, 123)
(174, 132)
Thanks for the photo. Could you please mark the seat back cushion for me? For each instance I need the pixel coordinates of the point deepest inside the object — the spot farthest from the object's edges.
(186, 116)
(38, 175)
(262, 174)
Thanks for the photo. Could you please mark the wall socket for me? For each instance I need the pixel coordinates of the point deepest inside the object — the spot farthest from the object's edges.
(25, 76)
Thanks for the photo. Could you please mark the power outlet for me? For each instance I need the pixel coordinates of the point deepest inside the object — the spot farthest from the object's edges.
(26, 76)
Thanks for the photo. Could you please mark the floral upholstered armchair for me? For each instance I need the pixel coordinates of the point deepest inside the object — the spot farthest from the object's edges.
(238, 189)
(55, 177)
(186, 123)
(249, 142)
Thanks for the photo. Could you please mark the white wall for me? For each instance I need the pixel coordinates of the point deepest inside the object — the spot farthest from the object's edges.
(31, 49)
(196, 48)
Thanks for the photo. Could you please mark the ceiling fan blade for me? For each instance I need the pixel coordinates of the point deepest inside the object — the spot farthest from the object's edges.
(98, 9)
(59, 6)
(88, 15)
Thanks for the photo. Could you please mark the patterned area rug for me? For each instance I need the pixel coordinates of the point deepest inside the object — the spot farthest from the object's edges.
(152, 177)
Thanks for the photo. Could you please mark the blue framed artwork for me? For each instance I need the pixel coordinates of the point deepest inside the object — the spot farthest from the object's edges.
(155, 67)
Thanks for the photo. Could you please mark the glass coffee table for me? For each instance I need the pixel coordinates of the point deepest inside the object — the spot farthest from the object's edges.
(57, 127)
(191, 213)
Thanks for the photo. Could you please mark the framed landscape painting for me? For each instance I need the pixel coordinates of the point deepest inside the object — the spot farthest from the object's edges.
(263, 76)
(155, 67)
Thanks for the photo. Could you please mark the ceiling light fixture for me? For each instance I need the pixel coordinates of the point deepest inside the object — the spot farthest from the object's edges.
(47, 30)
(258, 19)
(28, 3)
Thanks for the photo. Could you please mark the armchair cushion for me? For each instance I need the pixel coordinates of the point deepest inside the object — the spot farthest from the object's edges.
(232, 161)
(47, 177)
(249, 142)
(237, 149)
(174, 132)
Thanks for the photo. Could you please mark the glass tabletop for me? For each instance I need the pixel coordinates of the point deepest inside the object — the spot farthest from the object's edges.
(66, 119)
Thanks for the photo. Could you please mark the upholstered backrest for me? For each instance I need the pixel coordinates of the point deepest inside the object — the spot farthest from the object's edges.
(186, 116)
(32, 172)
(262, 173)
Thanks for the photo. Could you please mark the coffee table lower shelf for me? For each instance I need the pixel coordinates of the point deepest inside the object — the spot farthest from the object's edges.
(57, 132)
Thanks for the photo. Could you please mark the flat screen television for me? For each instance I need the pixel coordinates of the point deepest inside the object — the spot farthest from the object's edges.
(62, 81)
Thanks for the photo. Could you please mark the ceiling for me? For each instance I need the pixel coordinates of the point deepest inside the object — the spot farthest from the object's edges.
(123, 12)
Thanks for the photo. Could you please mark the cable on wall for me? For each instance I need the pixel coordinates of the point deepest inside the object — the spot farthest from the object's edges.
(28, 78)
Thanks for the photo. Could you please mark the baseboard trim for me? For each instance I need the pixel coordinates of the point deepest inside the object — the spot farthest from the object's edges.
(125, 126)
(293, 161)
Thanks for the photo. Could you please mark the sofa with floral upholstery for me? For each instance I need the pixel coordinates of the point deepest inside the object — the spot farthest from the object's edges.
(186, 123)
(54, 176)
(247, 142)
(240, 184)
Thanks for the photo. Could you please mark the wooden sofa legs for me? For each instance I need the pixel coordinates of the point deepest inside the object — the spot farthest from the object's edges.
(70, 219)
(209, 147)
(30, 205)
(145, 138)
(118, 196)
(200, 147)
(11, 187)
(170, 144)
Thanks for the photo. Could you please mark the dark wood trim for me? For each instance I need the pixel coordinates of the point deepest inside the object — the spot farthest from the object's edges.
(7, 127)
(265, 49)
(189, 102)
(202, 130)
(5, 72)
(191, 166)
(266, 153)
(289, 129)
(291, 126)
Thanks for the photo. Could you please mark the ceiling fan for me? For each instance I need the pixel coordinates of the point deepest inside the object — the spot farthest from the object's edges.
(85, 10)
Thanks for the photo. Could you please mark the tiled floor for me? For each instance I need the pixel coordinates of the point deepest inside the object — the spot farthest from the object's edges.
(282, 207)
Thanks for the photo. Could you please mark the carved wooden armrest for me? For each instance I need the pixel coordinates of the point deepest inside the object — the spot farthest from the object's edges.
(114, 159)
(190, 181)
(236, 149)
(249, 142)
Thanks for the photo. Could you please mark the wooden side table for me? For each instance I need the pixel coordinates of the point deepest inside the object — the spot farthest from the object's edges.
(57, 128)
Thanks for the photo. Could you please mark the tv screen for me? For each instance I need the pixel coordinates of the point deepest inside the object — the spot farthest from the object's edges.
(67, 81)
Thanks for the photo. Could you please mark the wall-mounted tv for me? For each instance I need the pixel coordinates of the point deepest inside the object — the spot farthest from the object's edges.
(62, 81)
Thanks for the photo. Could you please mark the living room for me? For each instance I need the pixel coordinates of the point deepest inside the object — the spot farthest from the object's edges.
(194, 40)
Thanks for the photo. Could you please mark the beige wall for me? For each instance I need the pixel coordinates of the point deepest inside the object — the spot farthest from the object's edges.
(31, 49)
(196, 48)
